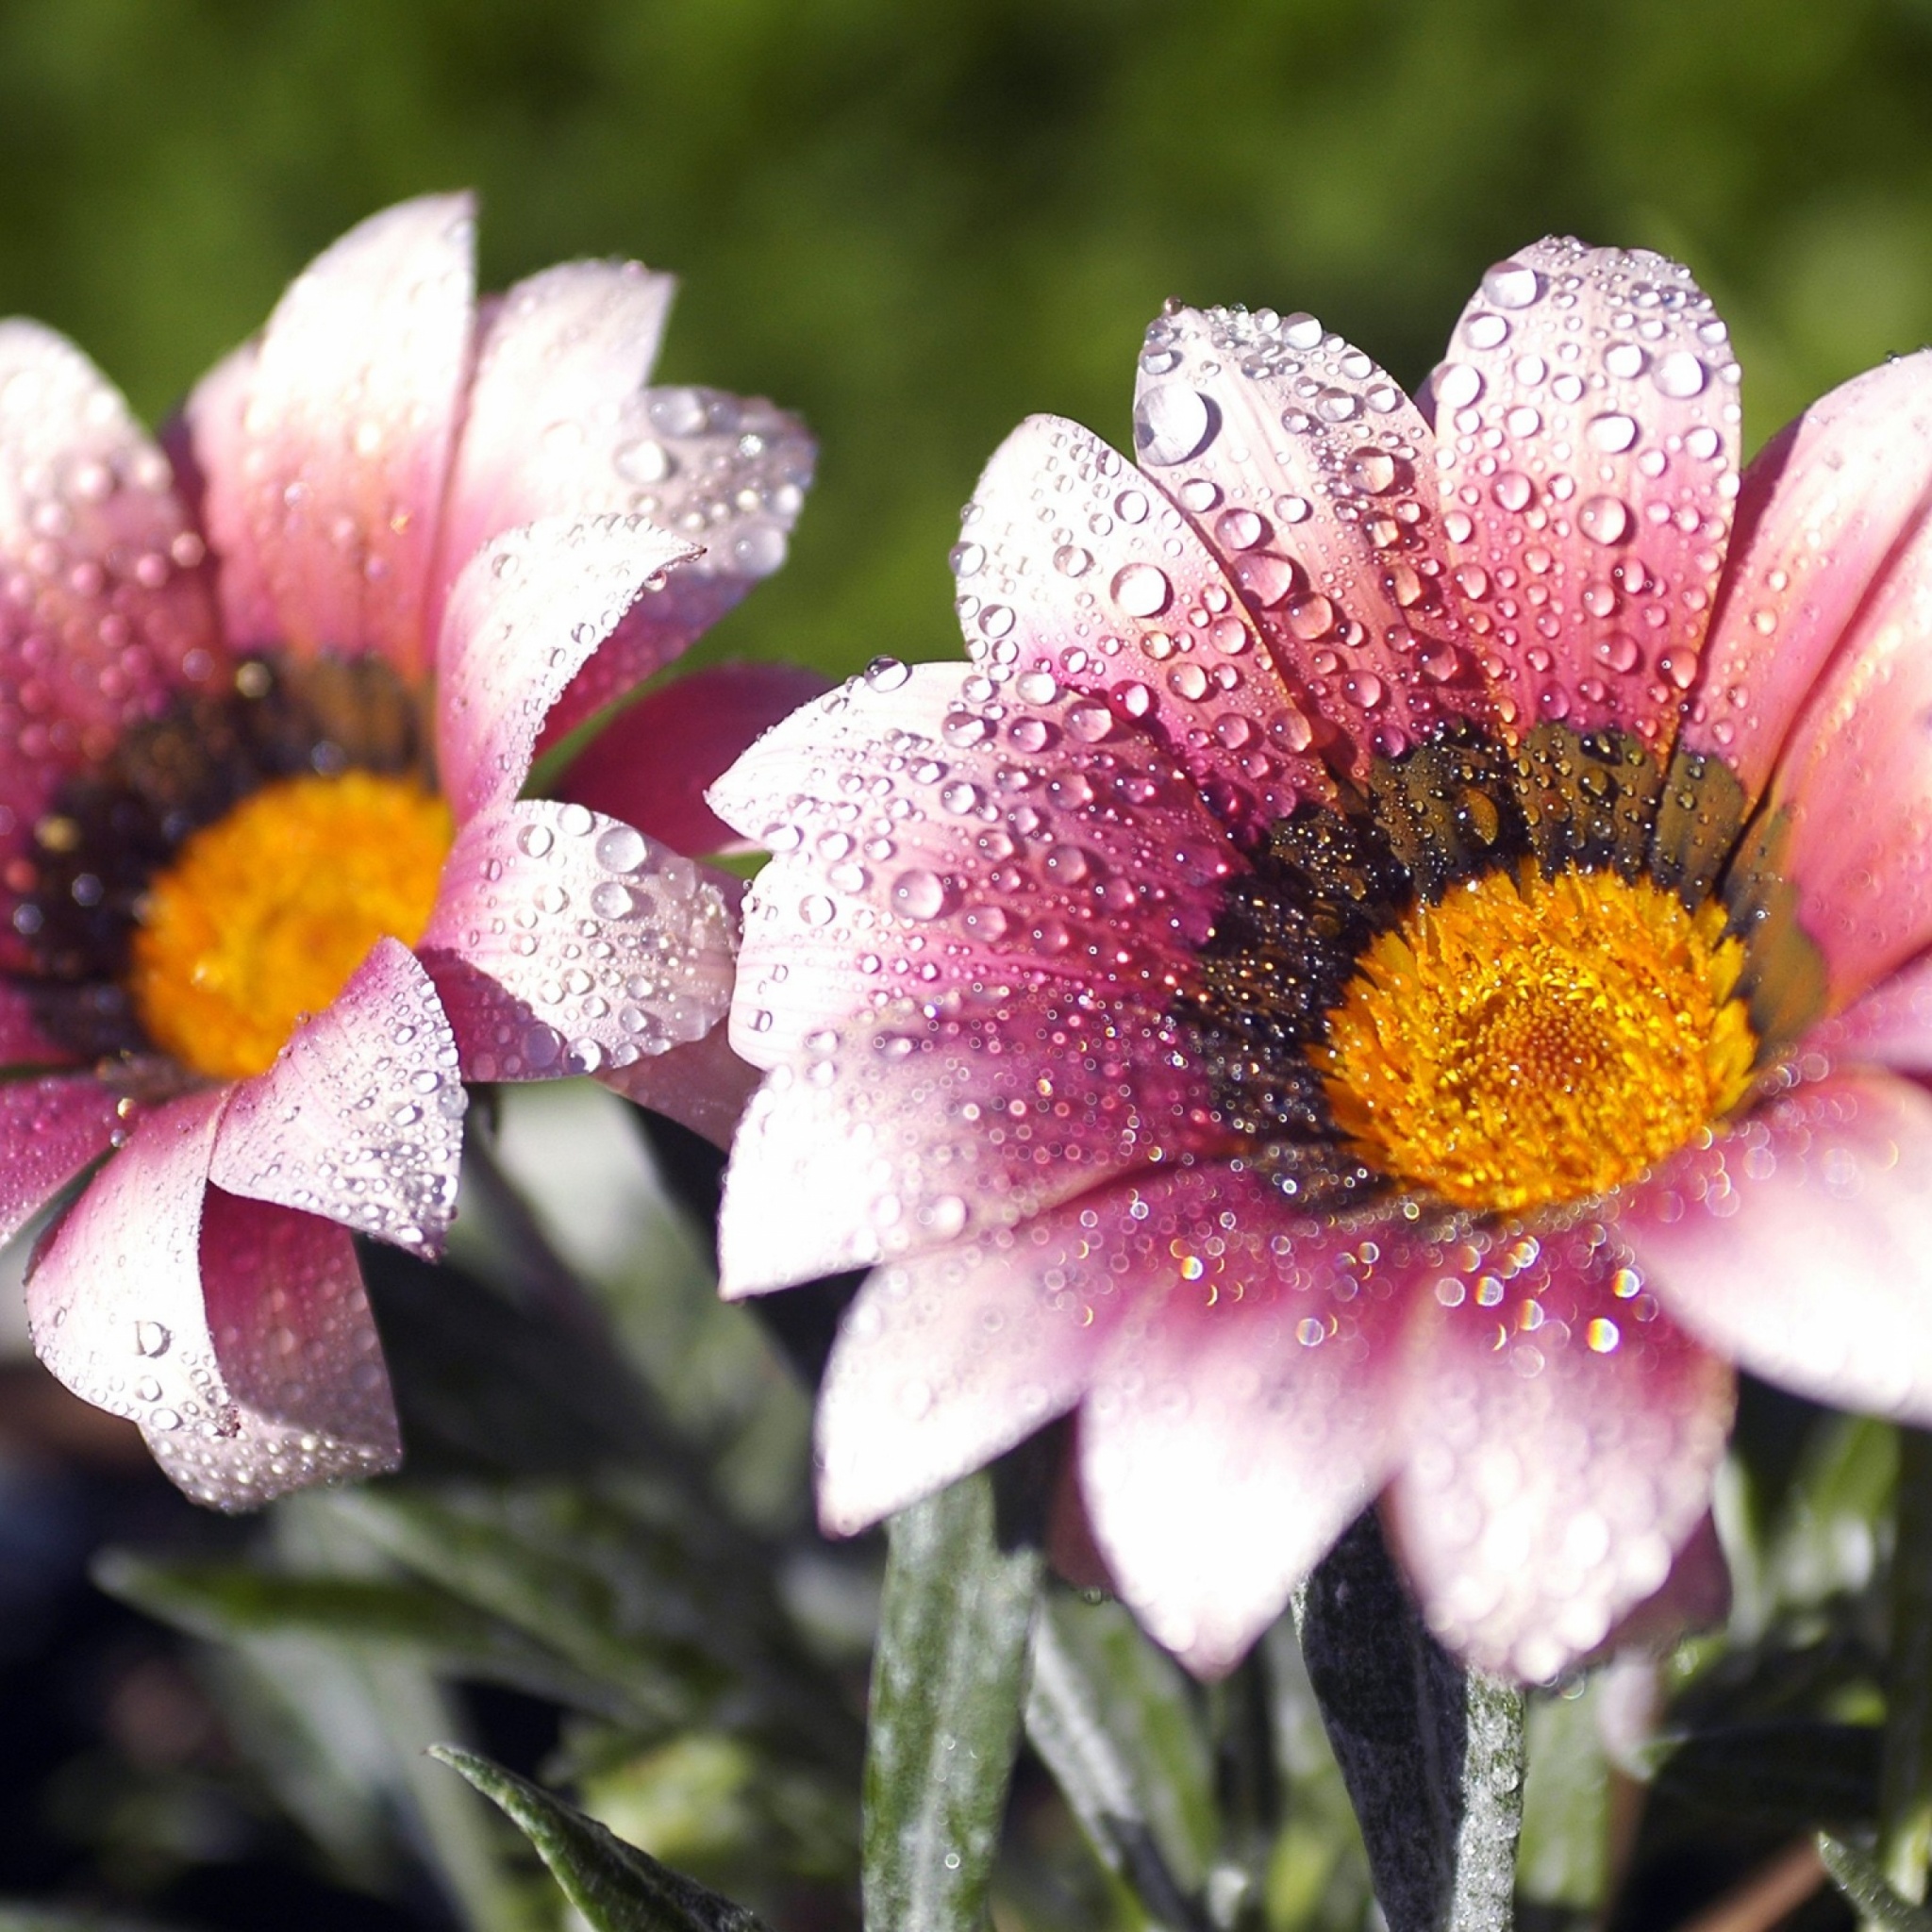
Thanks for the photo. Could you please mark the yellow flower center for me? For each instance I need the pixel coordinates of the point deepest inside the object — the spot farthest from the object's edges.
(1532, 1040)
(264, 914)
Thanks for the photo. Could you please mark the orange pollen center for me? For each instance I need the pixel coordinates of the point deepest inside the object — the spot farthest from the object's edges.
(265, 914)
(1535, 1039)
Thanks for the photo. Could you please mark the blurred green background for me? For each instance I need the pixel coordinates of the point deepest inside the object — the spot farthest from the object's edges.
(916, 223)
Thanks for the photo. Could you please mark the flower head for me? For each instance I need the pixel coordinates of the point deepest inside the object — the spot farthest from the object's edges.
(270, 696)
(1397, 964)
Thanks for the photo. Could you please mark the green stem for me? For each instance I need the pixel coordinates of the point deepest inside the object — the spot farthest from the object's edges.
(1905, 1835)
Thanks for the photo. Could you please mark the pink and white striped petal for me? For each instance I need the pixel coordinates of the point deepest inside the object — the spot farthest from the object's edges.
(1827, 510)
(333, 488)
(104, 607)
(948, 1360)
(1242, 1412)
(567, 943)
(1587, 427)
(560, 358)
(1851, 796)
(528, 611)
(1562, 1434)
(114, 1301)
(360, 1119)
(651, 765)
(920, 1126)
(926, 839)
(703, 1086)
(1795, 1242)
(1890, 1027)
(1310, 475)
(298, 1354)
(1071, 564)
(50, 1129)
(209, 448)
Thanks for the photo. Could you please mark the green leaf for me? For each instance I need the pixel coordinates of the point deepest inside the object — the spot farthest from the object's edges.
(1856, 1874)
(25, 1915)
(1795, 1775)
(1113, 1721)
(1432, 1754)
(949, 1679)
(616, 1887)
(1905, 1798)
(230, 1602)
(1563, 1858)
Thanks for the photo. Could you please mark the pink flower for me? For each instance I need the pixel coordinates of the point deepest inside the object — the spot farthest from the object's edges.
(270, 703)
(1401, 961)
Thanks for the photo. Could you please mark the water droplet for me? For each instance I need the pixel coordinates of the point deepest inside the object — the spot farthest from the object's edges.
(887, 674)
(1679, 375)
(1238, 529)
(1612, 433)
(645, 461)
(1485, 331)
(1172, 423)
(1071, 561)
(1371, 471)
(1513, 489)
(759, 549)
(919, 893)
(1310, 618)
(534, 841)
(1512, 285)
(151, 1339)
(620, 848)
(1604, 520)
(1141, 590)
(1458, 385)
(1265, 576)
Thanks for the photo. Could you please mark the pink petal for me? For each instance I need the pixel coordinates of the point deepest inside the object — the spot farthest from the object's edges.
(331, 492)
(49, 1130)
(526, 612)
(1890, 1027)
(1826, 512)
(299, 1353)
(1070, 562)
(650, 764)
(1587, 429)
(703, 1086)
(1848, 818)
(114, 1302)
(360, 1119)
(209, 448)
(1292, 453)
(566, 942)
(1562, 1438)
(103, 608)
(947, 1360)
(913, 1128)
(1796, 1243)
(1242, 1414)
(927, 841)
(560, 358)
(21, 1041)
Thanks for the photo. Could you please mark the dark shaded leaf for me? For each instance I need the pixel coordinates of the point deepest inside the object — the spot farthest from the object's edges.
(1798, 1775)
(949, 1680)
(616, 1887)
(1432, 1754)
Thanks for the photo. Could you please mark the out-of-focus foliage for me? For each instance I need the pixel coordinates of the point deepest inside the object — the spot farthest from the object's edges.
(917, 224)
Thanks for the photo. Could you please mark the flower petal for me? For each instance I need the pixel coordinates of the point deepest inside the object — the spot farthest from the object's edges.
(1848, 817)
(1826, 513)
(949, 1360)
(1562, 1434)
(298, 1352)
(332, 492)
(209, 446)
(703, 1086)
(360, 1119)
(564, 941)
(927, 840)
(49, 1130)
(526, 612)
(916, 1127)
(1311, 476)
(559, 356)
(1070, 562)
(1587, 429)
(103, 607)
(1796, 1244)
(114, 1300)
(650, 764)
(1242, 1415)
(1892, 1026)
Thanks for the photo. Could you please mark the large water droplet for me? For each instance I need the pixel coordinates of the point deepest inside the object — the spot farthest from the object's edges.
(1604, 520)
(919, 893)
(1680, 374)
(1512, 285)
(1611, 433)
(1141, 590)
(1172, 423)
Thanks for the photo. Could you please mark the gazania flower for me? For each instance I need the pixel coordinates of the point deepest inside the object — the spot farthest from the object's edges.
(1395, 967)
(272, 889)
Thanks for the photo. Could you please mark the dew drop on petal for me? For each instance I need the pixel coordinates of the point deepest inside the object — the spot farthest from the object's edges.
(1604, 520)
(1512, 285)
(1172, 423)
(1142, 590)
(1679, 375)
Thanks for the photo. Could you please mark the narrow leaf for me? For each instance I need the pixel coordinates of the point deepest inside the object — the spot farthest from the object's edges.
(616, 1887)
(1432, 1754)
(1110, 1719)
(1856, 1874)
(949, 1679)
